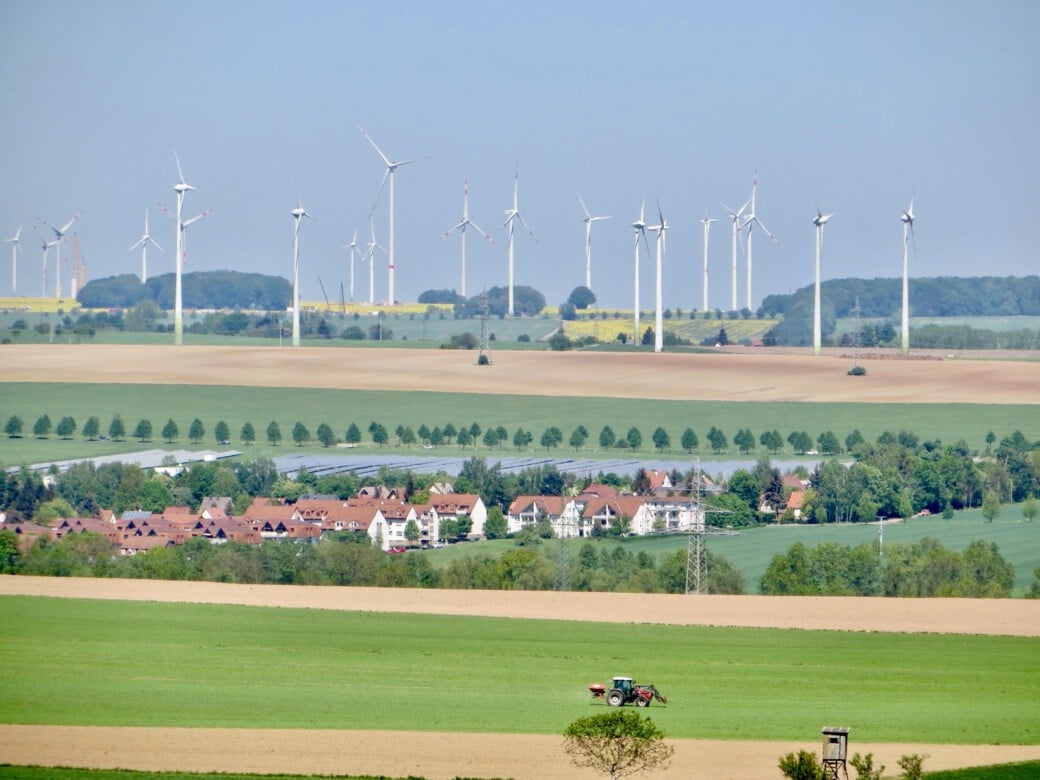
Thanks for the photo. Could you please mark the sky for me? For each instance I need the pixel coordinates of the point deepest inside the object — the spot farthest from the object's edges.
(852, 108)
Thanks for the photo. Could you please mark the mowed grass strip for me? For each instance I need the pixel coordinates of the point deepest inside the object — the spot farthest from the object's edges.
(84, 662)
(339, 408)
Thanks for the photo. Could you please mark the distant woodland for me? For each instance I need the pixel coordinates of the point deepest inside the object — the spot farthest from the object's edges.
(200, 290)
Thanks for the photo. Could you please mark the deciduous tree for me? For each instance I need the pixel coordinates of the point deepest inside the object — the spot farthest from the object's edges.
(42, 426)
(116, 428)
(196, 431)
(248, 433)
(274, 434)
(14, 426)
(143, 431)
(221, 432)
(617, 744)
(689, 440)
(66, 427)
(91, 428)
(300, 434)
(170, 431)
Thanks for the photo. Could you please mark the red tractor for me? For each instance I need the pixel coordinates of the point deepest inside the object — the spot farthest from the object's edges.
(623, 690)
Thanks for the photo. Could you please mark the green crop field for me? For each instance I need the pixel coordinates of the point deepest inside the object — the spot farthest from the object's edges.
(67, 661)
(338, 408)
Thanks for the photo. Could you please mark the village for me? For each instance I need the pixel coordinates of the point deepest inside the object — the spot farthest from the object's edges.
(392, 523)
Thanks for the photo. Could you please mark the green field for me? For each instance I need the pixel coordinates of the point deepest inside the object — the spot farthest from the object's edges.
(155, 664)
(752, 550)
(338, 408)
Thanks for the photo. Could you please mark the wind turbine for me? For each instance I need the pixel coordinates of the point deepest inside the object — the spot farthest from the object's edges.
(369, 255)
(588, 220)
(819, 220)
(908, 231)
(16, 247)
(46, 245)
(707, 228)
(660, 227)
(180, 188)
(391, 168)
(59, 236)
(512, 215)
(143, 242)
(639, 228)
(466, 222)
(750, 220)
(298, 214)
(352, 246)
(735, 217)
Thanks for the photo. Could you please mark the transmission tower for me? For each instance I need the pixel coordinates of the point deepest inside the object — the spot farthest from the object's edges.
(484, 359)
(696, 560)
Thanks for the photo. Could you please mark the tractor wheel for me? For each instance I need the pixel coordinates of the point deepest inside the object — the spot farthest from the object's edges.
(641, 702)
(615, 698)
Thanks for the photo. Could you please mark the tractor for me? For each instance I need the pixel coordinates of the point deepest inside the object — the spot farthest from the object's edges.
(623, 690)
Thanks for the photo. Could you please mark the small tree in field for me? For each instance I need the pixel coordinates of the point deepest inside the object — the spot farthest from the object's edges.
(248, 434)
(116, 428)
(170, 431)
(14, 426)
(801, 766)
(221, 432)
(91, 428)
(274, 433)
(864, 766)
(196, 431)
(143, 431)
(617, 744)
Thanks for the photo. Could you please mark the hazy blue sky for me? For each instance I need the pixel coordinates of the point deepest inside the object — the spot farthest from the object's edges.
(855, 106)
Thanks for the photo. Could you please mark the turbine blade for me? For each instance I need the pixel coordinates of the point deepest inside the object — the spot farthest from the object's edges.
(378, 150)
(375, 203)
(584, 207)
(479, 230)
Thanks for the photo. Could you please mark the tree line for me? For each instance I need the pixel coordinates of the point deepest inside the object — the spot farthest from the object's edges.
(200, 290)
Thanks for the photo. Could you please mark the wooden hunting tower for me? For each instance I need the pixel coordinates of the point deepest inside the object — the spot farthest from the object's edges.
(835, 751)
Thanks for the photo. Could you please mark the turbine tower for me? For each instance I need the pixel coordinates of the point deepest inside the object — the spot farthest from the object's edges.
(660, 227)
(391, 168)
(639, 228)
(369, 255)
(143, 242)
(180, 188)
(46, 245)
(588, 220)
(16, 247)
(707, 228)
(59, 236)
(298, 213)
(735, 217)
(908, 230)
(461, 226)
(819, 220)
(352, 246)
(750, 220)
(512, 215)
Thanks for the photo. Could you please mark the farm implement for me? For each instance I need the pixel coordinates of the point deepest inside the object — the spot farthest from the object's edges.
(623, 690)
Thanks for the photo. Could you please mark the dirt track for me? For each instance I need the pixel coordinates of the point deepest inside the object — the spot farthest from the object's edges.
(743, 374)
(440, 756)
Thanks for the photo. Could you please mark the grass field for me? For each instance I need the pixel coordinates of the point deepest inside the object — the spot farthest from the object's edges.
(695, 330)
(338, 408)
(752, 550)
(68, 661)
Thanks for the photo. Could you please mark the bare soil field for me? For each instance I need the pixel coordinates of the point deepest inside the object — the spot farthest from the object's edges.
(441, 756)
(732, 374)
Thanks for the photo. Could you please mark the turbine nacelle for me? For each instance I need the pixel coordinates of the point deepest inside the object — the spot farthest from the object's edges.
(821, 219)
(908, 215)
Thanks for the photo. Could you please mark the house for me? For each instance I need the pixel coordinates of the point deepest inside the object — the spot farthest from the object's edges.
(560, 512)
(223, 503)
(460, 506)
(659, 480)
(796, 503)
(602, 514)
(28, 533)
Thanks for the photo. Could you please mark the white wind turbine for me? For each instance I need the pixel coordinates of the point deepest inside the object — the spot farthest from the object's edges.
(391, 168)
(660, 227)
(180, 188)
(16, 247)
(639, 228)
(298, 214)
(46, 246)
(588, 220)
(750, 220)
(143, 242)
(59, 237)
(461, 226)
(512, 215)
(819, 220)
(370, 256)
(735, 217)
(908, 231)
(352, 246)
(707, 228)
